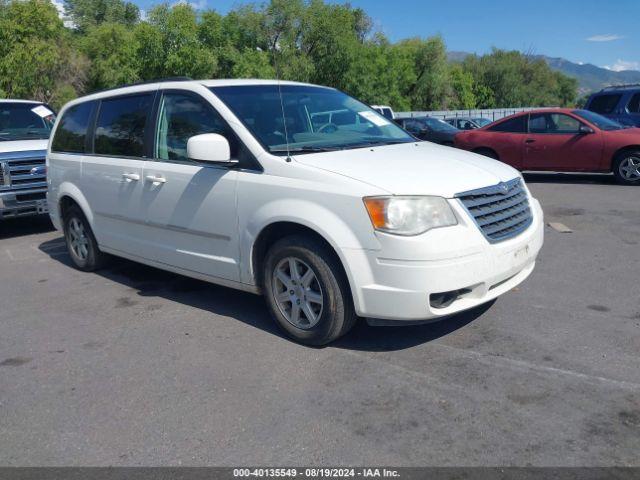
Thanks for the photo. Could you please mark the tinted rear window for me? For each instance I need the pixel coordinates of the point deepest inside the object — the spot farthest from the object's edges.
(513, 125)
(72, 131)
(604, 103)
(121, 125)
(634, 104)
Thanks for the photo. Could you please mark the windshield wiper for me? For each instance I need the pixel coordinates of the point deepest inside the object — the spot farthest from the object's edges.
(374, 143)
(303, 149)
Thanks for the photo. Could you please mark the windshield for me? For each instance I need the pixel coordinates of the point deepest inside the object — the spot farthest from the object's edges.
(603, 123)
(317, 118)
(437, 125)
(22, 121)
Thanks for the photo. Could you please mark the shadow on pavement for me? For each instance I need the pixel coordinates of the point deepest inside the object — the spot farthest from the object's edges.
(384, 339)
(20, 227)
(571, 178)
(252, 310)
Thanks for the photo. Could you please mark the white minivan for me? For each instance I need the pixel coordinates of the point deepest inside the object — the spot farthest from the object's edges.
(242, 183)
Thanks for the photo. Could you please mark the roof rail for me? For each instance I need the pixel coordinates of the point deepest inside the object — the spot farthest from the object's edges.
(621, 87)
(155, 80)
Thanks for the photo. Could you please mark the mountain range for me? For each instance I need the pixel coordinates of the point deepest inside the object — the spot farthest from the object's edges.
(590, 77)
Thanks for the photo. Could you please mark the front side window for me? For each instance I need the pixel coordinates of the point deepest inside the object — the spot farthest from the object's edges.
(121, 125)
(25, 121)
(481, 122)
(437, 125)
(634, 104)
(413, 126)
(604, 104)
(557, 123)
(308, 118)
(513, 125)
(72, 130)
(182, 116)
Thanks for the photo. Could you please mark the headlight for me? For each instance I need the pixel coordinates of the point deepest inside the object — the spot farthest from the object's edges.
(409, 215)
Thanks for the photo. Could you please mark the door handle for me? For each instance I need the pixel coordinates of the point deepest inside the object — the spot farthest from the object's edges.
(131, 177)
(155, 180)
(529, 140)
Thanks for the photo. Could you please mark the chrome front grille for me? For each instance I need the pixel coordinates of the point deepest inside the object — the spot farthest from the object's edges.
(22, 170)
(500, 211)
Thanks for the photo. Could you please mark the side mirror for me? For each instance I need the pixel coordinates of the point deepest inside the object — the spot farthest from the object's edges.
(211, 148)
(584, 130)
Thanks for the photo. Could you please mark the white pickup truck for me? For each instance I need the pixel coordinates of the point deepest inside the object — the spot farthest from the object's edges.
(24, 133)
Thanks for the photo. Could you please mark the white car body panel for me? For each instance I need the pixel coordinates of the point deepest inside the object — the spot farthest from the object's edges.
(204, 220)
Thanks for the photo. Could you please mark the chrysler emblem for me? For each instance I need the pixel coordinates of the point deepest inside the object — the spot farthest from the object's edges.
(503, 188)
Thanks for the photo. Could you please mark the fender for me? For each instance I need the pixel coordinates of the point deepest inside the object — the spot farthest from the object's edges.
(317, 218)
(68, 189)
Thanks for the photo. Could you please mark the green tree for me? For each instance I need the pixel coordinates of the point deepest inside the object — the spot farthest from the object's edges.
(462, 95)
(37, 58)
(515, 79)
(427, 89)
(168, 44)
(111, 48)
(86, 14)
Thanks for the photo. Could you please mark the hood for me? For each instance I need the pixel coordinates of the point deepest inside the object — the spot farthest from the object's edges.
(8, 146)
(422, 168)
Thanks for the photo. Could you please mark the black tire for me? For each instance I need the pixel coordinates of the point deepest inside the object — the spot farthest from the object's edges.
(487, 152)
(94, 258)
(337, 315)
(617, 166)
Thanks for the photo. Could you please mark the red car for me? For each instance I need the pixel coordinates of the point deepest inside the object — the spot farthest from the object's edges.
(559, 139)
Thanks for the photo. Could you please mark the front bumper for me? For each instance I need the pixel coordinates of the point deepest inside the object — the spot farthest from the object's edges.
(398, 281)
(23, 203)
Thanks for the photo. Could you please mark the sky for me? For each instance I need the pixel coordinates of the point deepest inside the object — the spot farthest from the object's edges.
(604, 33)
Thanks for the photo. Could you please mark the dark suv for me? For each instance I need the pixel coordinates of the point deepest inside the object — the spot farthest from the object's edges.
(619, 102)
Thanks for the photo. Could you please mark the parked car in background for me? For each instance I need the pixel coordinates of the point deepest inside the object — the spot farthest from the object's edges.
(385, 111)
(430, 129)
(24, 132)
(467, 123)
(560, 140)
(329, 222)
(619, 103)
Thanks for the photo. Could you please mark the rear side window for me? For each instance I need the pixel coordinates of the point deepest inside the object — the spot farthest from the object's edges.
(634, 104)
(72, 130)
(121, 126)
(513, 125)
(557, 123)
(604, 103)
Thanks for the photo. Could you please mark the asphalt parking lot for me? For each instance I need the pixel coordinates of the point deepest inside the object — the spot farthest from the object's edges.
(135, 366)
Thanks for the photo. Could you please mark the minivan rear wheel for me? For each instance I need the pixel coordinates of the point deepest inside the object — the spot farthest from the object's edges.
(81, 243)
(307, 291)
(626, 167)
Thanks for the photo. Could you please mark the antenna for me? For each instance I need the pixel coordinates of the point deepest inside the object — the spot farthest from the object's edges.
(276, 48)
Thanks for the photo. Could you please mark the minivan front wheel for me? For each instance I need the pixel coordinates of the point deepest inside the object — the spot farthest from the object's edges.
(307, 291)
(626, 168)
(81, 243)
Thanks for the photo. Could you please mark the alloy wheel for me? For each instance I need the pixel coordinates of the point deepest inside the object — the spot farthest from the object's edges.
(630, 168)
(78, 240)
(297, 292)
